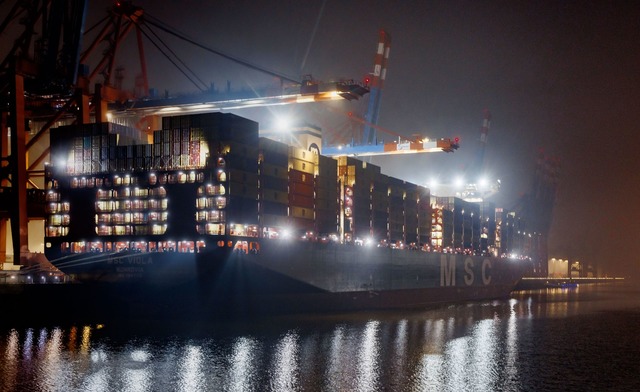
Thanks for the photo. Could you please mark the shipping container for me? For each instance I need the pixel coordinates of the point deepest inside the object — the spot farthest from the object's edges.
(274, 220)
(273, 183)
(327, 193)
(271, 170)
(303, 155)
(301, 189)
(306, 167)
(245, 150)
(326, 183)
(244, 210)
(273, 146)
(300, 201)
(301, 212)
(243, 177)
(327, 204)
(300, 177)
(275, 196)
(301, 225)
(273, 208)
(246, 190)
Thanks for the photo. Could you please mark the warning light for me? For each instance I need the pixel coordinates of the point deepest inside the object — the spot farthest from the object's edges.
(367, 80)
(456, 139)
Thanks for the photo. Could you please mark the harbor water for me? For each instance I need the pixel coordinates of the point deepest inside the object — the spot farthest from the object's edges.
(561, 339)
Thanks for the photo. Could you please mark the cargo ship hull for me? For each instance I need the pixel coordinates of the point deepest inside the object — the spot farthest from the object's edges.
(295, 276)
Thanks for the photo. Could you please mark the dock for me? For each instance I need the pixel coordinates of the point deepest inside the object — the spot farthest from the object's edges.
(533, 283)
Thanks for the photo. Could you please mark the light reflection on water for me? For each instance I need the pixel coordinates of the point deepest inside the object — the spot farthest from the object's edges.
(510, 345)
(242, 371)
(285, 364)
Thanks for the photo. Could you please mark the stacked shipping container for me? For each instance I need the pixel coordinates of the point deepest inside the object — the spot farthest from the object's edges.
(273, 185)
(326, 196)
(381, 207)
(302, 170)
(262, 182)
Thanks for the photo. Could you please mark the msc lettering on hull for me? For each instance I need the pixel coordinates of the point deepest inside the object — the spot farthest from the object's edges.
(448, 271)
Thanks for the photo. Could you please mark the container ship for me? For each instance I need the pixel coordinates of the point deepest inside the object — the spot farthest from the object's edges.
(208, 206)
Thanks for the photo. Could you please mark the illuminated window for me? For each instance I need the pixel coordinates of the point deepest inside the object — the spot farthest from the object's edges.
(52, 196)
(158, 229)
(201, 202)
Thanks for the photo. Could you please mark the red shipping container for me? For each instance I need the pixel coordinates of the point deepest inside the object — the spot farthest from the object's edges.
(300, 200)
(299, 188)
(300, 177)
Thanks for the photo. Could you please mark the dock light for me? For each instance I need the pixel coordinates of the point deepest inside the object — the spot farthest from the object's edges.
(283, 123)
(369, 241)
(286, 233)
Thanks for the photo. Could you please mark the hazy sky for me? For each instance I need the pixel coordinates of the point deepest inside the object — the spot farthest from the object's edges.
(558, 75)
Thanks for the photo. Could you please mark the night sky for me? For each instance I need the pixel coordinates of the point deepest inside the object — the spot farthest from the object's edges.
(562, 76)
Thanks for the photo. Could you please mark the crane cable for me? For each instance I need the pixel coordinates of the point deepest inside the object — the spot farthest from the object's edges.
(155, 22)
(175, 56)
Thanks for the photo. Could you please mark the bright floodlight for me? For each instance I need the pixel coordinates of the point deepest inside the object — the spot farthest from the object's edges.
(283, 123)
(433, 183)
(483, 183)
(459, 182)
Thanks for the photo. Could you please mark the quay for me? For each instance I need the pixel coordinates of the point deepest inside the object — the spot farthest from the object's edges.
(533, 283)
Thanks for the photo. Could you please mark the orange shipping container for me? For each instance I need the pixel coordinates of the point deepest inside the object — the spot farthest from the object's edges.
(300, 201)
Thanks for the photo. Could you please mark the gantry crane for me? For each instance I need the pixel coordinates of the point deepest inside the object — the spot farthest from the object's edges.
(375, 83)
(401, 145)
(39, 79)
(369, 145)
(474, 190)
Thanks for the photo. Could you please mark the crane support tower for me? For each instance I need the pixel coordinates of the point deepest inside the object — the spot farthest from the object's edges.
(484, 134)
(472, 191)
(375, 86)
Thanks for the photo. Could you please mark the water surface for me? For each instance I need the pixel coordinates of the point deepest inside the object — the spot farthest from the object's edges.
(548, 340)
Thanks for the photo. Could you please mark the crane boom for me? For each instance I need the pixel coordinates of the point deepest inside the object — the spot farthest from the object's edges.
(393, 148)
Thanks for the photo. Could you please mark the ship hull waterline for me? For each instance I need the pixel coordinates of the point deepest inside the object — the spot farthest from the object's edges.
(292, 278)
